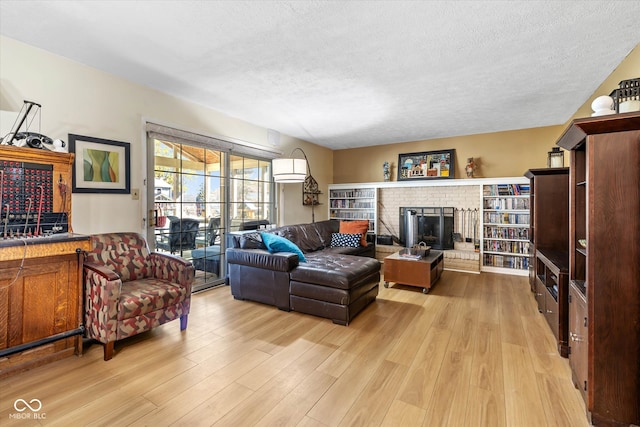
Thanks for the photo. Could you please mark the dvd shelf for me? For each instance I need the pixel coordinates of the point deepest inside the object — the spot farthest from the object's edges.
(354, 203)
(505, 217)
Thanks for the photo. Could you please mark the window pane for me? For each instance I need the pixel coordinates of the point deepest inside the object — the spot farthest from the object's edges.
(251, 169)
(265, 192)
(166, 185)
(236, 164)
(251, 191)
(193, 160)
(166, 156)
(264, 171)
(214, 162)
(212, 210)
(214, 189)
(264, 210)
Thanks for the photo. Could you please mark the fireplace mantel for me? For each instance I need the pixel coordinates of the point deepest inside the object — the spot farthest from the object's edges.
(436, 182)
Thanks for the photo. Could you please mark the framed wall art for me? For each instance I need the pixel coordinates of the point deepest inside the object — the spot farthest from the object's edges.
(426, 165)
(100, 165)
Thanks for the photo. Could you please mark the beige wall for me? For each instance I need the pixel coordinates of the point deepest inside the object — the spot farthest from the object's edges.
(82, 100)
(497, 154)
(501, 154)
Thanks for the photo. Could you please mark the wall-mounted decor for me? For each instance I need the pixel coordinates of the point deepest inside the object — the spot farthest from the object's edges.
(100, 165)
(426, 165)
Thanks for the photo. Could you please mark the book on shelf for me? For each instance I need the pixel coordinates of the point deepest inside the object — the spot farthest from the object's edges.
(506, 190)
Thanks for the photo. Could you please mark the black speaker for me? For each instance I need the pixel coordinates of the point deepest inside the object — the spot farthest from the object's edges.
(384, 239)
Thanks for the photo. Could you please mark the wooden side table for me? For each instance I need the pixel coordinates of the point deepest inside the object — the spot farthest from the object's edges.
(423, 273)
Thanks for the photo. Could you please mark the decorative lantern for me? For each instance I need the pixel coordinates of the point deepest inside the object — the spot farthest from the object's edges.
(555, 158)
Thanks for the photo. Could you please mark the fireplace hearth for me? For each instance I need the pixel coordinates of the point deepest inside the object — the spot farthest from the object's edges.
(431, 225)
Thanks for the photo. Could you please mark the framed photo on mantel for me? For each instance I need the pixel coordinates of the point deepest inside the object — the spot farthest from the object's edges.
(426, 165)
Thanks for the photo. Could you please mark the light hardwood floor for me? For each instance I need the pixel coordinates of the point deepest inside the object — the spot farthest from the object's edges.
(473, 352)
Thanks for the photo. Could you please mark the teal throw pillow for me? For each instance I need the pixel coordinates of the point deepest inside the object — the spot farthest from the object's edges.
(275, 243)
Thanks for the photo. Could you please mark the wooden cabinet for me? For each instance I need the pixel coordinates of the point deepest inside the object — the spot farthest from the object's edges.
(40, 276)
(604, 200)
(549, 238)
(549, 209)
(40, 301)
(578, 335)
(505, 228)
(551, 291)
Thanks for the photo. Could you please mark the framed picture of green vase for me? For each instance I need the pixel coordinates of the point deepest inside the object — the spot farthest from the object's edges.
(100, 165)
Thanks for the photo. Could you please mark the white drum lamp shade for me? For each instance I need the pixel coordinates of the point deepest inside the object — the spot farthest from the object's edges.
(289, 170)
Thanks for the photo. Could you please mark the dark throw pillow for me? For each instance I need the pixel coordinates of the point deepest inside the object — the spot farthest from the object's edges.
(343, 239)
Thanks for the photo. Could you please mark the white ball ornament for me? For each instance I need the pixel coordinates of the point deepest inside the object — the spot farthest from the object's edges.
(602, 106)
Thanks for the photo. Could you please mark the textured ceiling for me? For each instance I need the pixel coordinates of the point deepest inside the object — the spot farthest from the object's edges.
(347, 74)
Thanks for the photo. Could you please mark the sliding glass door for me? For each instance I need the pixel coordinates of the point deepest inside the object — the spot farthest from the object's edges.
(250, 197)
(200, 194)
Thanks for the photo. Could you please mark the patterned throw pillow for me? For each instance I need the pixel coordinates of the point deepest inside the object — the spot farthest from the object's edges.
(357, 226)
(342, 239)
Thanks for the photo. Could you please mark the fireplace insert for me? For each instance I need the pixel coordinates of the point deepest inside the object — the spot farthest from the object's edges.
(433, 226)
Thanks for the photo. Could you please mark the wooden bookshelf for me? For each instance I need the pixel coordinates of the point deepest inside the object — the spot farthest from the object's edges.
(354, 203)
(604, 202)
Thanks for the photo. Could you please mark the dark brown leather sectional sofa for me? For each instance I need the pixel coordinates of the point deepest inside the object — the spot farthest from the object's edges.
(335, 282)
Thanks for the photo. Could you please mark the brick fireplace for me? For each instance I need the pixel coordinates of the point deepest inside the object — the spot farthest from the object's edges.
(462, 256)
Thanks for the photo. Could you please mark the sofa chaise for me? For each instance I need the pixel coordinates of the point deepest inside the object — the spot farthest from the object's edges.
(331, 276)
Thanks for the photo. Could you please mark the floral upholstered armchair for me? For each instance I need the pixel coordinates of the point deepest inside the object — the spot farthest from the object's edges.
(129, 289)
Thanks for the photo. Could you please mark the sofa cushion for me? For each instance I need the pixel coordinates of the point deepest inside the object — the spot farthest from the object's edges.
(251, 241)
(335, 295)
(305, 236)
(261, 258)
(275, 244)
(148, 295)
(129, 264)
(335, 270)
(349, 240)
(356, 227)
(325, 229)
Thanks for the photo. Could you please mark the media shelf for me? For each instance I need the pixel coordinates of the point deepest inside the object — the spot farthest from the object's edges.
(505, 225)
(354, 203)
(551, 293)
(604, 277)
(549, 238)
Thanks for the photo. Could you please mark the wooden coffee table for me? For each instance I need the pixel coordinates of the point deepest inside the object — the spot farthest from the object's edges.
(423, 273)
